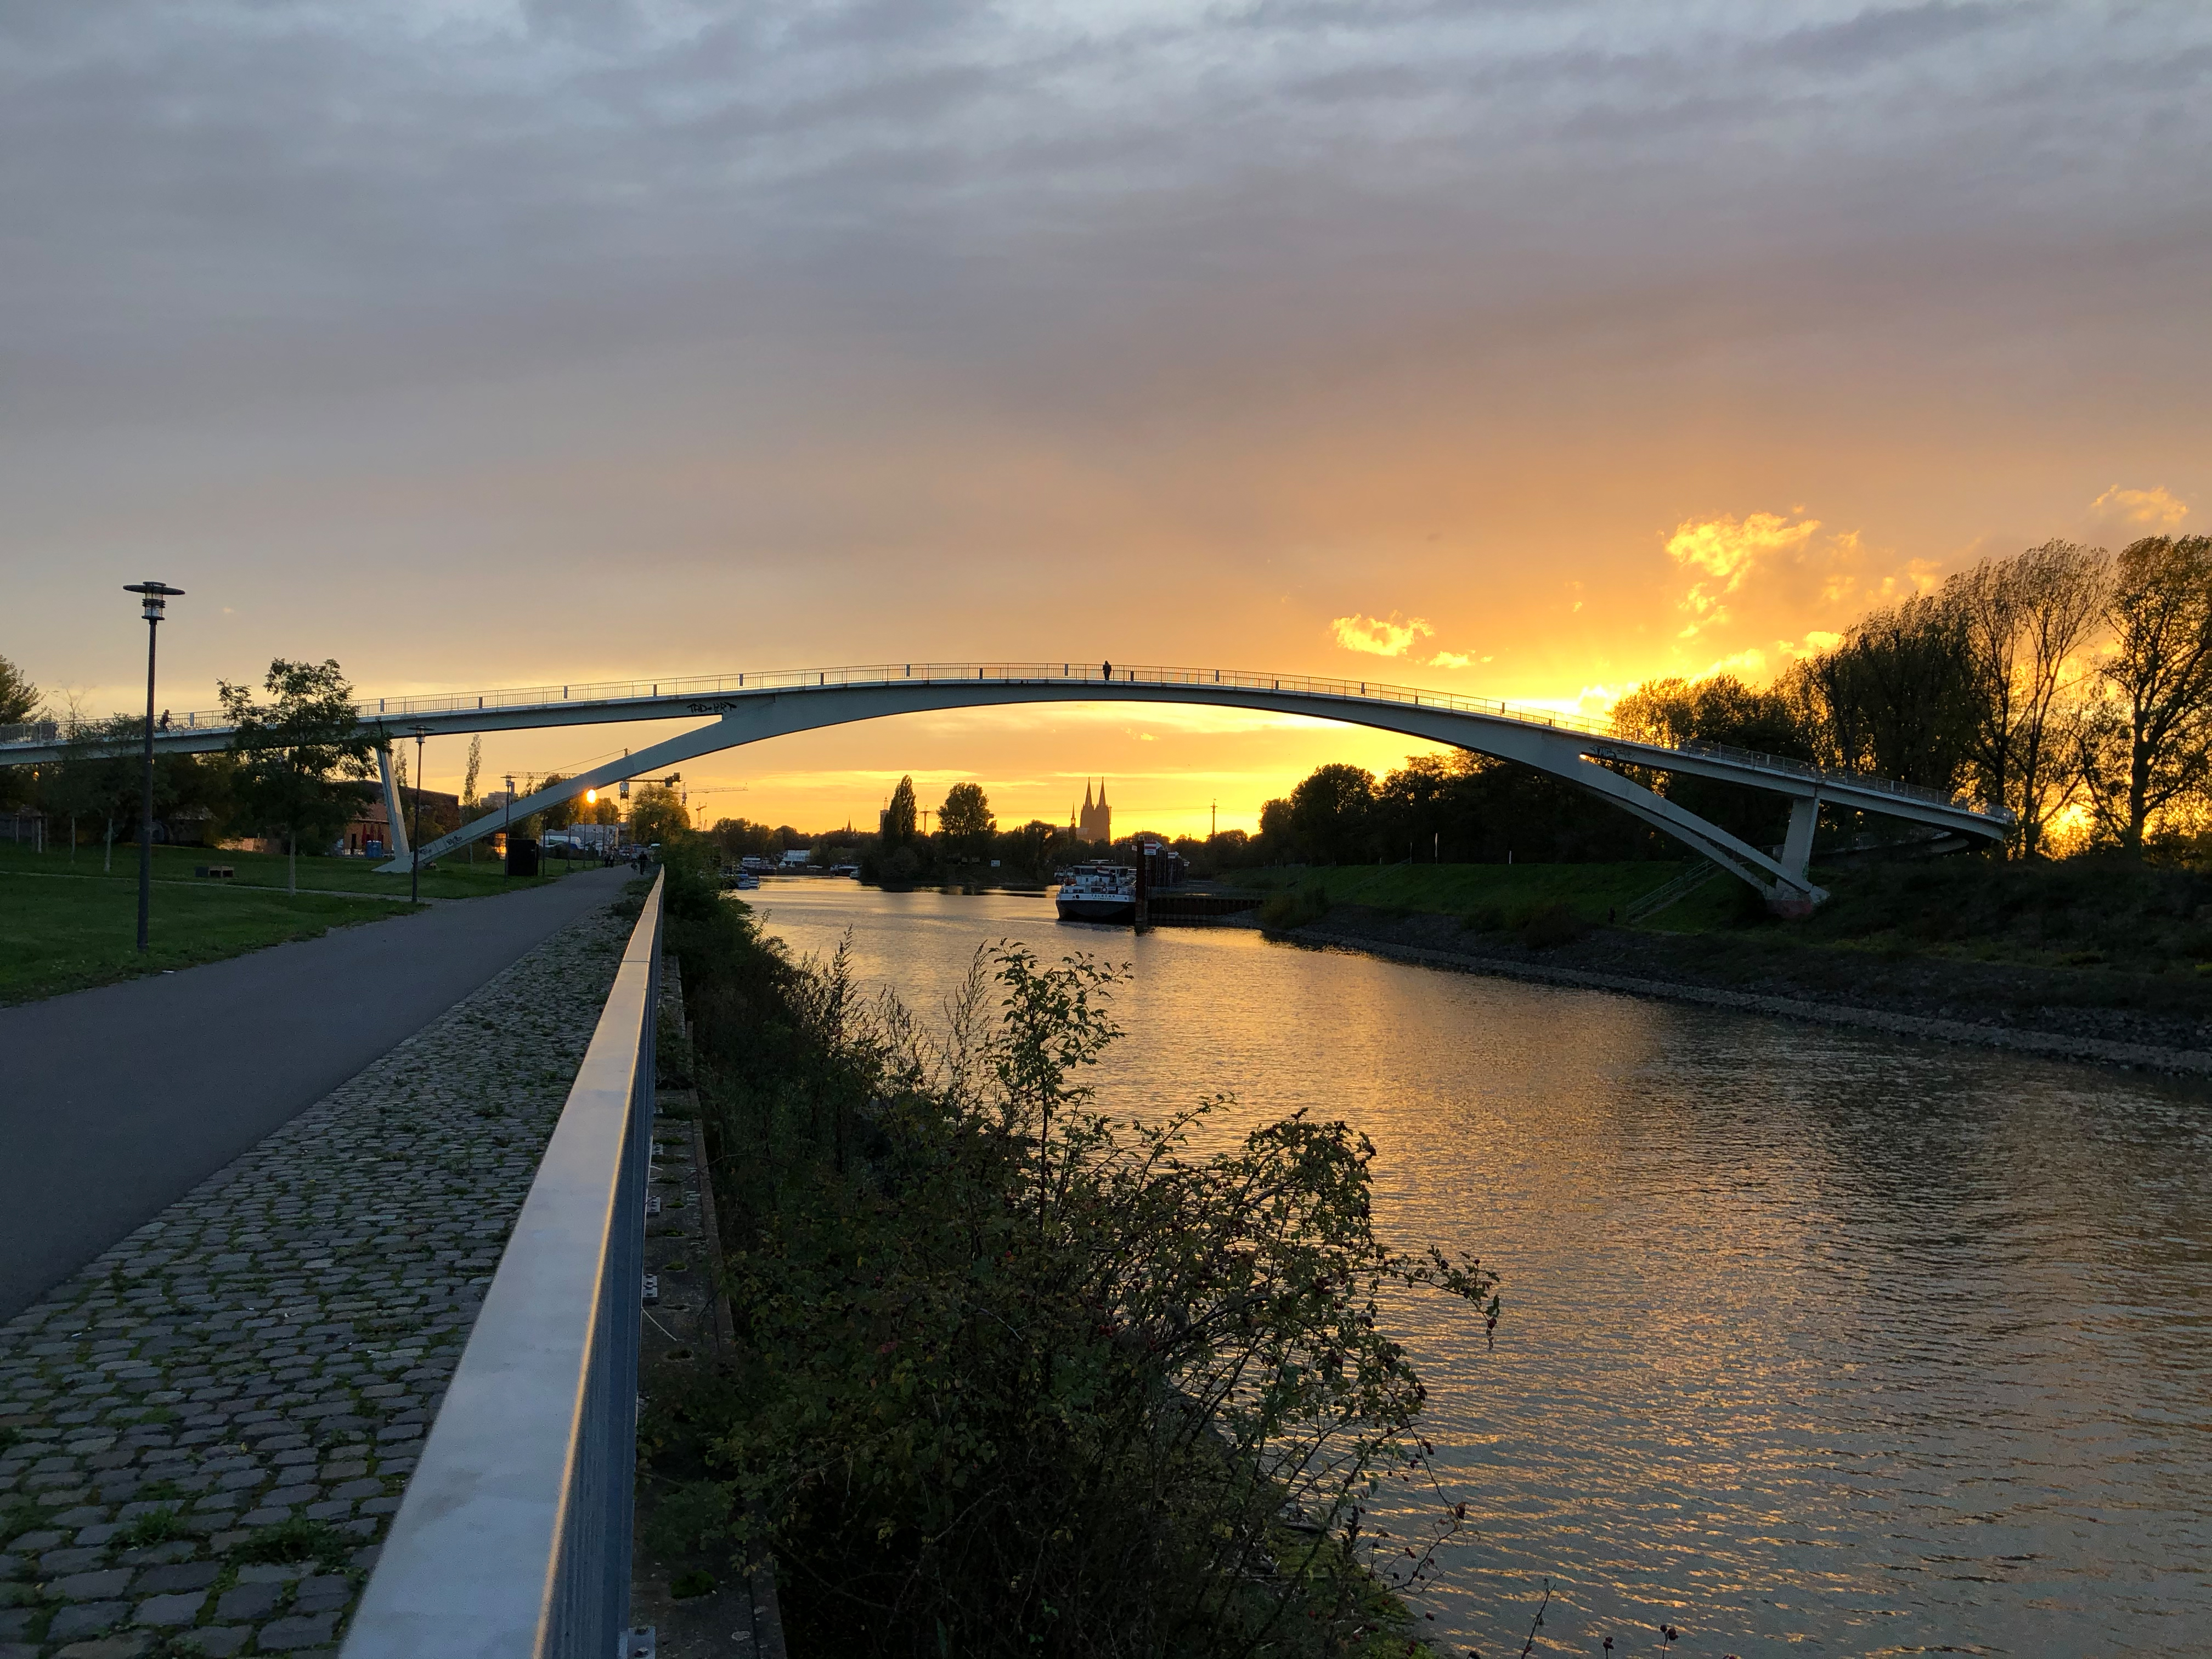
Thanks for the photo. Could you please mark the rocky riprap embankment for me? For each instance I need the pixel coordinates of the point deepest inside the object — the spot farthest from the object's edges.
(247, 1377)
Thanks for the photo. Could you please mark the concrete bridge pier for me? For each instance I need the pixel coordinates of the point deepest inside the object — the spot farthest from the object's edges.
(395, 814)
(1797, 854)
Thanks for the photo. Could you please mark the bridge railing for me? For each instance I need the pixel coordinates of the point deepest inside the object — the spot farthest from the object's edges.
(706, 687)
(513, 1539)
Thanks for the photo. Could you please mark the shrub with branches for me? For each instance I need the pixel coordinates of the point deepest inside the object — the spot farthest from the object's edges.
(1020, 1376)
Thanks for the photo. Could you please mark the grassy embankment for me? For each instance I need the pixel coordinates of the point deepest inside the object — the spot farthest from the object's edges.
(65, 926)
(2116, 916)
(1588, 890)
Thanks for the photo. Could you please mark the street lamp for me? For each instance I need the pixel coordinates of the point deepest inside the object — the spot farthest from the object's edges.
(153, 593)
(415, 834)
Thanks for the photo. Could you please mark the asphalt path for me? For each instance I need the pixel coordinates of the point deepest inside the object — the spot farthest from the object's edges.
(116, 1103)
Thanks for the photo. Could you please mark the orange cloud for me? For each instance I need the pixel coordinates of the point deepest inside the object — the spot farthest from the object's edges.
(1724, 551)
(2152, 510)
(1380, 636)
(1761, 589)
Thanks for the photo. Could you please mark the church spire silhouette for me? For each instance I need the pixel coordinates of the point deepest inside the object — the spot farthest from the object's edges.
(1098, 820)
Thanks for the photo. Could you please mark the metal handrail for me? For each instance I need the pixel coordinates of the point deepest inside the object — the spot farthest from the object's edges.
(683, 687)
(513, 1539)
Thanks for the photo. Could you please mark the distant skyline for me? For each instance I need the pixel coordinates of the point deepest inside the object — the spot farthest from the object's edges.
(1529, 352)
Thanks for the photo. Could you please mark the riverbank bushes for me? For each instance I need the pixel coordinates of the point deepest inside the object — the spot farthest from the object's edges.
(1015, 1377)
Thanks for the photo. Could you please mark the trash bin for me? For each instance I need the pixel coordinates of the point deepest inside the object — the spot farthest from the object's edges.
(522, 856)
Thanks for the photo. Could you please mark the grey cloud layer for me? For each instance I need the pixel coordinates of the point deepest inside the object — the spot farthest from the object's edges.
(838, 304)
(170, 163)
(840, 278)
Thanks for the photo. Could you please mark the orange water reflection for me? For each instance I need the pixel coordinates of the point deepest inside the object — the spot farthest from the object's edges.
(1810, 1336)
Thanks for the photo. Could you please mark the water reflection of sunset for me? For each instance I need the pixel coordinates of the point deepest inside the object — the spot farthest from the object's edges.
(1808, 1334)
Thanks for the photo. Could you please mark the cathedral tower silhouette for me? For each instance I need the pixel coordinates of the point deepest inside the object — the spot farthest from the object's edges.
(1097, 823)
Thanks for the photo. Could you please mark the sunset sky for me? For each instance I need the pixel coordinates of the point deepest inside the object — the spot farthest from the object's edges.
(1524, 351)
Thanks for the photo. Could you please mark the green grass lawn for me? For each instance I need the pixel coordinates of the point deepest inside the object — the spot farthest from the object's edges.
(454, 877)
(1589, 889)
(58, 936)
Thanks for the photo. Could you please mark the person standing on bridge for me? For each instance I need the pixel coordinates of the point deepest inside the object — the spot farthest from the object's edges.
(1106, 671)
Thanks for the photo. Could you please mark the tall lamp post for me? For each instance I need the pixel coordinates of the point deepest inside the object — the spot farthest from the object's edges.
(415, 834)
(154, 594)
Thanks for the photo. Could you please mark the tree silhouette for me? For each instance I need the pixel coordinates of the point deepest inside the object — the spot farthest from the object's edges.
(966, 823)
(899, 816)
(299, 755)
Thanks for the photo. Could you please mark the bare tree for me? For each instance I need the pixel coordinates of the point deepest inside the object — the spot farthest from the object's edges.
(98, 776)
(2148, 738)
(2028, 619)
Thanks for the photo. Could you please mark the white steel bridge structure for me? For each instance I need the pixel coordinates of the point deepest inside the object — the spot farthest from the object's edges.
(735, 709)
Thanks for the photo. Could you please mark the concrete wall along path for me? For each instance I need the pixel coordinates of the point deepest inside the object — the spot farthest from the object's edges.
(268, 1352)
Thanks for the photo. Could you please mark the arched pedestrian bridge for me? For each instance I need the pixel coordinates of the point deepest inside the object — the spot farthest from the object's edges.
(736, 709)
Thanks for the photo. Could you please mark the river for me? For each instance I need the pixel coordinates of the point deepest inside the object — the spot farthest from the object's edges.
(1813, 1339)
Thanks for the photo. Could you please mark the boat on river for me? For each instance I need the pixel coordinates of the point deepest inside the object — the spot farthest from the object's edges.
(1096, 892)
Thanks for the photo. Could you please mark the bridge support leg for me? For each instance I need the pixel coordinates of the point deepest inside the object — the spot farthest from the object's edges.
(1788, 891)
(1796, 902)
(726, 733)
(395, 815)
(1797, 845)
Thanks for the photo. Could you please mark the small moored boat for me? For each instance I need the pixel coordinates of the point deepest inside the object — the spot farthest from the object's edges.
(1096, 892)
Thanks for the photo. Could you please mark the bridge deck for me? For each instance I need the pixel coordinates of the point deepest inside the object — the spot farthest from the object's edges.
(703, 695)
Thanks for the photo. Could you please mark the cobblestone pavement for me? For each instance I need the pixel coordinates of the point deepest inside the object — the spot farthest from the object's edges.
(204, 1434)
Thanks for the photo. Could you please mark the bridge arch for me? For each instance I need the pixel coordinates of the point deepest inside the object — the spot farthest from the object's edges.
(745, 709)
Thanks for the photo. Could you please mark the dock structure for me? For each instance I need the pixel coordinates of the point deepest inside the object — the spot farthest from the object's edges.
(1175, 908)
